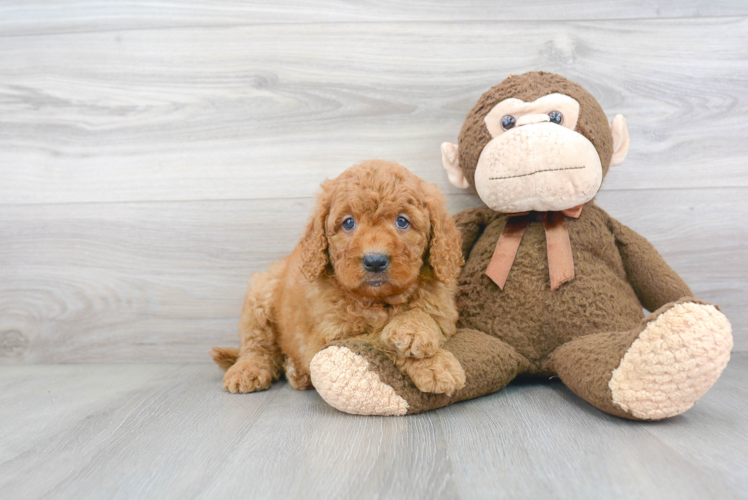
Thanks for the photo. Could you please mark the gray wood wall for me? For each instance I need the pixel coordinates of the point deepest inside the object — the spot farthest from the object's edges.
(154, 154)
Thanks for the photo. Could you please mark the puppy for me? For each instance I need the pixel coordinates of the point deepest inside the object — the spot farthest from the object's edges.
(379, 256)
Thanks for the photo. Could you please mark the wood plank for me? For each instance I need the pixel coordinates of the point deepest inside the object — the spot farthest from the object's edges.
(715, 426)
(498, 453)
(135, 442)
(64, 395)
(170, 431)
(381, 456)
(164, 281)
(75, 16)
(268, 111)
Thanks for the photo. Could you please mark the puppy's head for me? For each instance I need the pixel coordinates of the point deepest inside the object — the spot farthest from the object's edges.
(377, 228)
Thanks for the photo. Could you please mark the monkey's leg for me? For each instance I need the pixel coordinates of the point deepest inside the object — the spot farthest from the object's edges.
(356, 376)
(655, 371)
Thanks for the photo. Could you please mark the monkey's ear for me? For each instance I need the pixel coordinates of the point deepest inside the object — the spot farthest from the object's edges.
(451, 162)
(620, 140)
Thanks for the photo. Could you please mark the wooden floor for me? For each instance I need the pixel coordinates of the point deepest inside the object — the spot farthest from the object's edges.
(170, 431)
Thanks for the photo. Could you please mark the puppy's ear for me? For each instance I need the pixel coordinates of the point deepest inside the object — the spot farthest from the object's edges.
(314, 257)
(445, 246)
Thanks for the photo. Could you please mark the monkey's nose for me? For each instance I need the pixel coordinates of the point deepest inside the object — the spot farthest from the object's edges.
(375, 262)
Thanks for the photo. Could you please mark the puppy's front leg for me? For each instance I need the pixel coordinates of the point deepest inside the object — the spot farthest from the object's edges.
(415, 339)
(413, 334)
(440, 373)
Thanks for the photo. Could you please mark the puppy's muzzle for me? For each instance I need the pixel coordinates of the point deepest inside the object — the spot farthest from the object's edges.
(375, 262)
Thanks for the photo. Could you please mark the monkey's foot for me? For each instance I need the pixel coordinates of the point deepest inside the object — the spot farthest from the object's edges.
(357, 375)
(348, 382)
(676, 358)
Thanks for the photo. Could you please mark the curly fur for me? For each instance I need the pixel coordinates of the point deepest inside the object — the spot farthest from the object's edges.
(321, 292)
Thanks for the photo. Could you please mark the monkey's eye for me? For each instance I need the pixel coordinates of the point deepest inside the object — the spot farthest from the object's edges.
(349, 224)
(508, 122)
(402, 222)
(556, 117)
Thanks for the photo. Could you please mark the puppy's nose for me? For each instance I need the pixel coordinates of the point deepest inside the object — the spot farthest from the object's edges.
(376, 262)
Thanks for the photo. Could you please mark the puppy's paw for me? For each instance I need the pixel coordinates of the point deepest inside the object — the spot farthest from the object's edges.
(440, 373)
(297, 377)
(412, 339)
(247, 376)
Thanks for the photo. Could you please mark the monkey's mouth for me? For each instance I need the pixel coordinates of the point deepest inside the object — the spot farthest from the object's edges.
(536, 172)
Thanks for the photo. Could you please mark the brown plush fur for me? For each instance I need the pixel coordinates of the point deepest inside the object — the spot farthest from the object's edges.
(322, 293)
(579, 331)
(534, 320)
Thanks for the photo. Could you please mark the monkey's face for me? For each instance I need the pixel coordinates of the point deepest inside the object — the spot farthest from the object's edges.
(535, 142)
(535, 159)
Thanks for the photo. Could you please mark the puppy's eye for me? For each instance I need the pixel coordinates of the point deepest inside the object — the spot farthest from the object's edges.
(349, 224)
(402, 222)
(556, 117)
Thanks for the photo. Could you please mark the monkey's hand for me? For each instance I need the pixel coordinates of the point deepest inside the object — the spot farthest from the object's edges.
(413, 334)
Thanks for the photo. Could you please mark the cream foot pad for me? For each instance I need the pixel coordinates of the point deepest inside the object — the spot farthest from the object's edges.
(344, 380)
(673, 362)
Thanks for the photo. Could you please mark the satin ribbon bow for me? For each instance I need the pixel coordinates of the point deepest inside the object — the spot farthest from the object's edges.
(560, 259)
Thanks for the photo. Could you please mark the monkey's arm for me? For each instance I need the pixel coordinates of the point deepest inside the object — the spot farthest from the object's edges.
(471, 223)
(654, 282)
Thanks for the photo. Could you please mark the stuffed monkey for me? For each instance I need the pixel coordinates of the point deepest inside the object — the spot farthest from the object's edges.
(552, 285)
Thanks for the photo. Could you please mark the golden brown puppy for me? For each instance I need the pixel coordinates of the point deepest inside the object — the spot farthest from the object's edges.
(380, 256)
